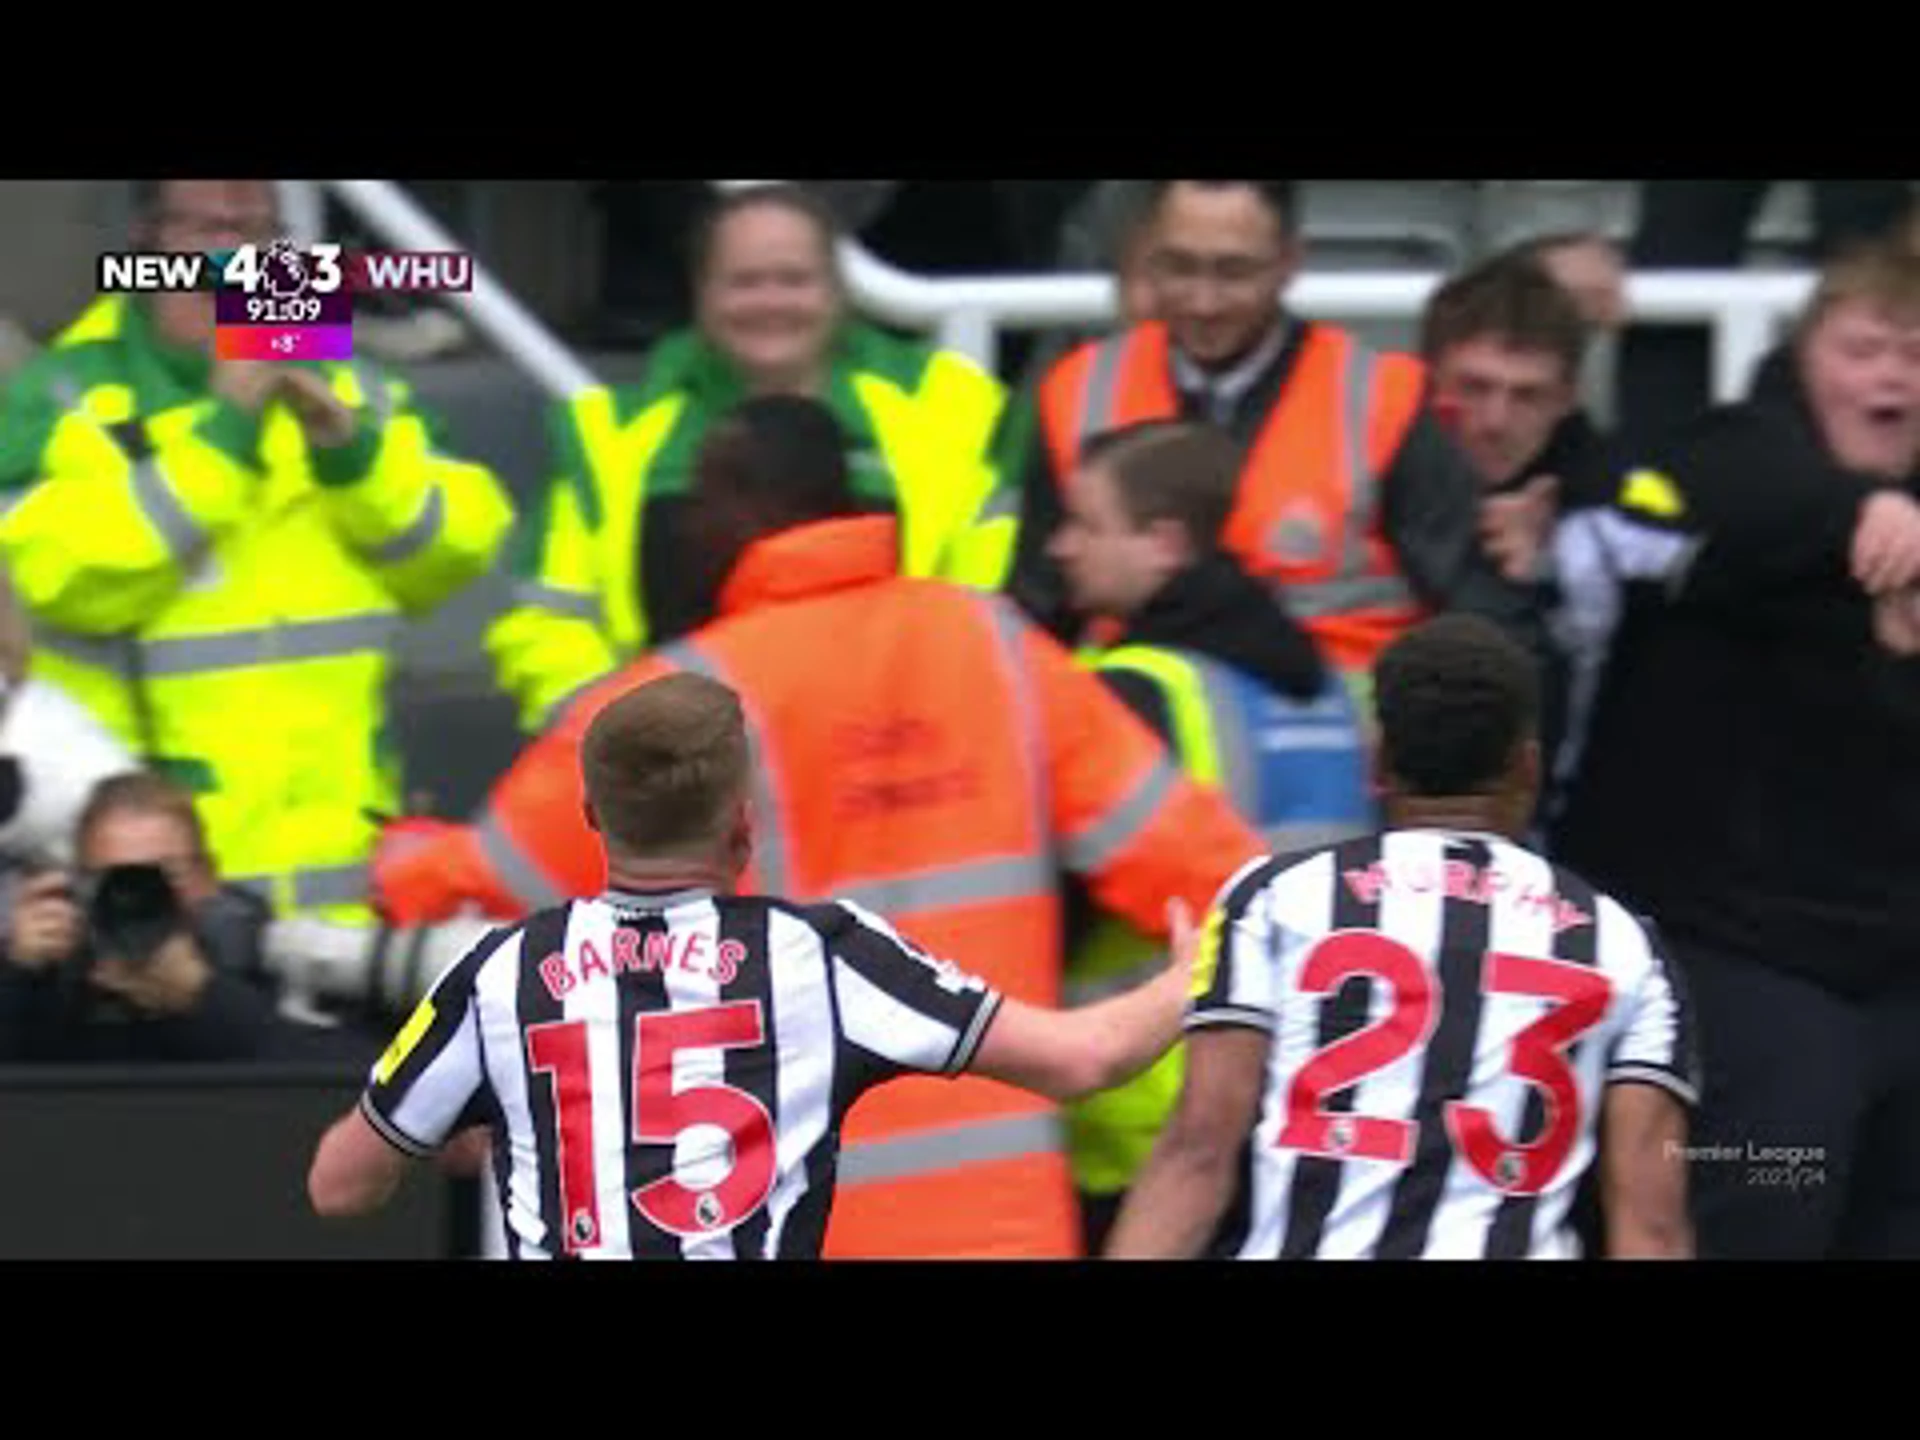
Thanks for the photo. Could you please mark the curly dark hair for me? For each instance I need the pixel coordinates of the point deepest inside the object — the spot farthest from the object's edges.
(1456, 698)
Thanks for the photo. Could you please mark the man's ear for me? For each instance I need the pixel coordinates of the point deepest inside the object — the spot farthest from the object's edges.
(593, 820)
(1172, 544)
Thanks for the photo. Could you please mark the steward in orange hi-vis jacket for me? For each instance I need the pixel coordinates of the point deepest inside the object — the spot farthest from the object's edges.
(919, 748)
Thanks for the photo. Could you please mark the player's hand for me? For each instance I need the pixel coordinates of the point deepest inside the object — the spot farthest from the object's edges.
(170, 983)
(247, 384)
(46, 923)
(327, 421)
(1896, 622)
(1886, 542)
(1514, 528)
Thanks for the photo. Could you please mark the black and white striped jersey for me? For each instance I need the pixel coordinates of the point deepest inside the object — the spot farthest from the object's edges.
(666, 1076)
(1446, 1011)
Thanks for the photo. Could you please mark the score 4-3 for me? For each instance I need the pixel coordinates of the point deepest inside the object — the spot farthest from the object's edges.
(282, 269)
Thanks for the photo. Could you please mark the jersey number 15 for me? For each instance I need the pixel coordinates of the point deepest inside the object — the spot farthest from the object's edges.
(661, 1114)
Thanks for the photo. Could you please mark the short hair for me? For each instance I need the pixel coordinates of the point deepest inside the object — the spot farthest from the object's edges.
(1511, 299)
(664, 763)
(1279, 197)
(1880, 273)
(776, 461)
(1171, 470)
(140, 792)
(149, 196)
(809, 205)
(1456, 697)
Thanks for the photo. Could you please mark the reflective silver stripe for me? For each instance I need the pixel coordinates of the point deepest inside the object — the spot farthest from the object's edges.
(417, 536)
(107, 652)
(1009, 878)
(1231, 737)
(1351, 588)
(379, 401)
(1101, 397)
(1095, 845)
(299, 640)
(769, 819)
(1342, 597)
(317, 885)
(1003, 504)
(1314, 835)
(166, 514)
(511, 866)
(570, 603)
(947, 1149)
(1309, 737)
(1008, 629)
(1075, 993)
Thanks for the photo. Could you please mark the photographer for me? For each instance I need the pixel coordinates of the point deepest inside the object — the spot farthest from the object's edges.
(143, 955)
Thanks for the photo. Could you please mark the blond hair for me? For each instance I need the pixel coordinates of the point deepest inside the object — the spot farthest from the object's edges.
(1882, 274)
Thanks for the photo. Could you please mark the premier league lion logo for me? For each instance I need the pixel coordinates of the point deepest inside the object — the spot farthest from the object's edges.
(285, 270)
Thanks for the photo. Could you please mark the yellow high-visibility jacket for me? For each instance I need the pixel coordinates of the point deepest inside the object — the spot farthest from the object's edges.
(224, 597)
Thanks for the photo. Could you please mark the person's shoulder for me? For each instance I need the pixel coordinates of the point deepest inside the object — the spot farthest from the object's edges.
(899, 360)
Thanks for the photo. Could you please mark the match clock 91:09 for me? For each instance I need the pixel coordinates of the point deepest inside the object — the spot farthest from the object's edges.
(282, 285)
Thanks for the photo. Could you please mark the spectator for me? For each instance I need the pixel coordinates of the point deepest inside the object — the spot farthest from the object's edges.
(218, 555)
(1769, 716)
(1014, 439)
(917, 748)
(1352, 498)
(644, 293)
(1703, 225)
(52, 752)
(1232, 685)
(1504, 343)
(607, 569)
(145, 955)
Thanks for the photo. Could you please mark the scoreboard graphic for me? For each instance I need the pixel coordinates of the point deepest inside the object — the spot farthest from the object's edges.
(282, 303)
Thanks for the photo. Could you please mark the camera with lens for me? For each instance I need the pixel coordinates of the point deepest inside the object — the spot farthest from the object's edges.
(132, 910)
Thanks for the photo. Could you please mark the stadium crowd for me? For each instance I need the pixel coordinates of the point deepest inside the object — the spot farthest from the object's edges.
(1186, 542)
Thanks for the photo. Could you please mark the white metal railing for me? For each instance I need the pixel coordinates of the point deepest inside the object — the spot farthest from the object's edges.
(494, 312)
(968, 313)
(1744, 309)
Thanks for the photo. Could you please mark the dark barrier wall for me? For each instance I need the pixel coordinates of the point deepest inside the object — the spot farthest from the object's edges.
(202, 1163)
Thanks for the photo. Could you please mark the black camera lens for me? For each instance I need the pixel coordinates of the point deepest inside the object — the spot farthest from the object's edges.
(133, 910)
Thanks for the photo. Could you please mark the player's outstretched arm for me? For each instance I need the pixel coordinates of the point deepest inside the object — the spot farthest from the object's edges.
(1177, 1202)
(355, 1170)
(1064, 1054)
(1643, 1174)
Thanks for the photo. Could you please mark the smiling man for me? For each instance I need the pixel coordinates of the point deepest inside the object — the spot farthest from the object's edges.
(1351, 500)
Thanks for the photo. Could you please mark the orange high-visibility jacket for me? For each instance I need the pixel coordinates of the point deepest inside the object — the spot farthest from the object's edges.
(1308, 513)
(919, 748)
